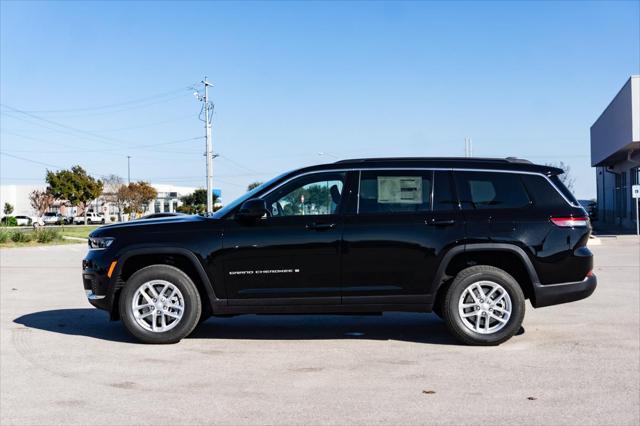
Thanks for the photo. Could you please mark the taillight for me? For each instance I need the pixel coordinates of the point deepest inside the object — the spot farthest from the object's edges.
(570, 222)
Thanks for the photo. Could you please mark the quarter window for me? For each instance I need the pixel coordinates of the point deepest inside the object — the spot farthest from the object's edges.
(399, 191)
(542, 193)
(486, 190)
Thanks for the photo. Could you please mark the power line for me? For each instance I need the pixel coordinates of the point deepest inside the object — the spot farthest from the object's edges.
(115, 105)
(136, 147)
(236, 163)
(30, 161)
(33, 116)
(141, 106)
(157, 123)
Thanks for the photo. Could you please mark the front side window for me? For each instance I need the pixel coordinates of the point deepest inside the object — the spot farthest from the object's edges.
(312, 195)
(402, 191)
(491, 190)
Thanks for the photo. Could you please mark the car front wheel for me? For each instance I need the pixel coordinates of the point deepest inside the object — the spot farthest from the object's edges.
(160, 304)
(484, 306)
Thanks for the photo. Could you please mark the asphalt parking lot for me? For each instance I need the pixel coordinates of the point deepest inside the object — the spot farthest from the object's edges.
(64, 362)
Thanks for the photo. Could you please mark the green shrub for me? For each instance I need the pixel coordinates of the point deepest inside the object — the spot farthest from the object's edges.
(20, 237)
(4, 236)
(47, 235)
(9, 221)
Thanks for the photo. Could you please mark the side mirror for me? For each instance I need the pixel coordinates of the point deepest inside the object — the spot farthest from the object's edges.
(252, 209)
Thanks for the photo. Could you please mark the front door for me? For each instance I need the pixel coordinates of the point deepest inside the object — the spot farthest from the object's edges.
(292, 255)
(394, 240)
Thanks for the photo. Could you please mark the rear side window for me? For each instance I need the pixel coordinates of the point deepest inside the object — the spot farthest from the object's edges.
(401, 191)
(541, 191)
(488, 190)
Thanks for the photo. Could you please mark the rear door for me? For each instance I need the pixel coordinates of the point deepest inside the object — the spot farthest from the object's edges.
(494, 205)
(394, 237)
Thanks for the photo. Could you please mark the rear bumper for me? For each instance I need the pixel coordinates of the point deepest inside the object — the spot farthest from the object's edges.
(555, 294)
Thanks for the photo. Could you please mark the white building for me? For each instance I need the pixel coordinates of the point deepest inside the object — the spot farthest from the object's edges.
(168, 197)
(18, 196)
(615, 153)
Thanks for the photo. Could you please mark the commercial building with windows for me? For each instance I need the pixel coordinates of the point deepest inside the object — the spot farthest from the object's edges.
(168, 200)
(615, 153)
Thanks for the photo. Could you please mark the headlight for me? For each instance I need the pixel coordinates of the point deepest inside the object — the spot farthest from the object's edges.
(100, 243)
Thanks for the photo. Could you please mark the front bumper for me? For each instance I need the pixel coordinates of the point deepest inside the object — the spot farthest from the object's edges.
(97, 285)
(555, 294)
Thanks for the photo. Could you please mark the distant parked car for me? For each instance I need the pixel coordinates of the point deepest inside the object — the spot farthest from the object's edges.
(591, 207)
(160, 215)
(51, 218)
(92, 218)
(23, 220)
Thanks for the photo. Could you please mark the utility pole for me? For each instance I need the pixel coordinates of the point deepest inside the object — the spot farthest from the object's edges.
(208, 112)
(128, 169)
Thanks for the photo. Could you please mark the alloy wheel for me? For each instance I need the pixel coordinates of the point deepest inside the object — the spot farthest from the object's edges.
(485, 307)
(158, 306)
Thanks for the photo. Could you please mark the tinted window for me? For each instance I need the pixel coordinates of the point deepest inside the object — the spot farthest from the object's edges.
(399, 191)
(443, 198)
(487, 190)
(312, 195)
(565, 191)
(541, 191)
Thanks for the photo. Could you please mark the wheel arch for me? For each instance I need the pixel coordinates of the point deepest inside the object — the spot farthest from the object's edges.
(133, 260)
(512, 259)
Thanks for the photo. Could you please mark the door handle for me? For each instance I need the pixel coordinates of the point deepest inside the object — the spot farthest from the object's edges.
(440, 222)
(320, 226)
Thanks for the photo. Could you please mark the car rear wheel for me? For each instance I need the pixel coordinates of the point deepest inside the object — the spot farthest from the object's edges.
(484, 306)
(160, 304)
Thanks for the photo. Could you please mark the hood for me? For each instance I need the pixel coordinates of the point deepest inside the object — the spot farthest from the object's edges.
(150, 224)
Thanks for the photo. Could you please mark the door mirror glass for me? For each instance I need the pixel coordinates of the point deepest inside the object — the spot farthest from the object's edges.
(252, 209)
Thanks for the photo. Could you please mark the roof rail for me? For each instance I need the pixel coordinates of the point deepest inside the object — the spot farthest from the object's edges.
(470, 159)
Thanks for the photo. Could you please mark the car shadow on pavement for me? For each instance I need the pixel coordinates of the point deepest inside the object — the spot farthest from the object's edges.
(410, 327)
(77, 322)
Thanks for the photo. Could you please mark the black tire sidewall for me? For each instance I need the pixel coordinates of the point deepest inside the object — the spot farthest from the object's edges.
(482, 273)
(189, 292)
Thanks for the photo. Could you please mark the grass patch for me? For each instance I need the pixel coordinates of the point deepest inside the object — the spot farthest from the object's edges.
(81, 231)
(26, 237)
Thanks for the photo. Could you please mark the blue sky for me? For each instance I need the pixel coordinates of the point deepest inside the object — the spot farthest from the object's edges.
(105, 80)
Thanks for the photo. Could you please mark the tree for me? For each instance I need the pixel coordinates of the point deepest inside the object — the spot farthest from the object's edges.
(112, 185)
(136, 196)
(8, 209)
(253, 186)
(317, 200)
(75, 186)
(566, 178)
(196, 202)
(41, 201)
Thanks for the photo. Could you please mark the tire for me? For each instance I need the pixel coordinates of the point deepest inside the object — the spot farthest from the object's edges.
(187, 294)
(463, 298)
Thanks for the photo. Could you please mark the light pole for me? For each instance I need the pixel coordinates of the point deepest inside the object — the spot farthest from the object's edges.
(128, 169)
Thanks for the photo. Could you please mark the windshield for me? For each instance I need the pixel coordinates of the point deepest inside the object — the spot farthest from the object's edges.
(235, 203)
(49, 214)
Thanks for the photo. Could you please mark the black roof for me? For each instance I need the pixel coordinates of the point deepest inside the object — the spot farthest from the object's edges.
(509, 163)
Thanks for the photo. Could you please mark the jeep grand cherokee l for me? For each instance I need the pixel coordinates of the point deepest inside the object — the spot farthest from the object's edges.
(469, 239)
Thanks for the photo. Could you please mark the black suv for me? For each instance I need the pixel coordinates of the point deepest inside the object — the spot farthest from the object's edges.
(469, 239)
